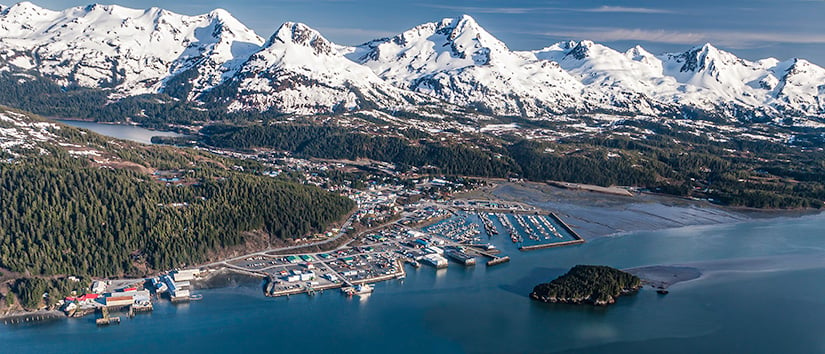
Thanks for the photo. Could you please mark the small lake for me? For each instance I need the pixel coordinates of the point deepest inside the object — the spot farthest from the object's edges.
(119, 131)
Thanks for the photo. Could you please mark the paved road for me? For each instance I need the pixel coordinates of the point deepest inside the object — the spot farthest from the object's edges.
(264, 252)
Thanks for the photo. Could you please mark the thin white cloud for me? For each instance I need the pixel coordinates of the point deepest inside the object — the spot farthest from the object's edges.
(621, 34)
(544, 9)
(726, 38)
(491, 10)
(623, 9)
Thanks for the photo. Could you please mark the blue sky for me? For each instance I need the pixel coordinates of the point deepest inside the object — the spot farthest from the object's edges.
(752, 29)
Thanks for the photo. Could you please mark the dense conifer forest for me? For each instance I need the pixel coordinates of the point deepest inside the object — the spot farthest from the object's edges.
(104, 222)
(770, 175)
(587, 284)
(64, 214)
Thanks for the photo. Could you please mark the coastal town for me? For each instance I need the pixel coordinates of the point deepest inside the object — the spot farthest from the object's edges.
(402, 220)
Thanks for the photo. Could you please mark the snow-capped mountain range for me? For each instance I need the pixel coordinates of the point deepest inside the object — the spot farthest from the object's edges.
(213, 58)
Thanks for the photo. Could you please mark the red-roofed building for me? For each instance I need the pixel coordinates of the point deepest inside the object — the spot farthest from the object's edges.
(119, 300)
(84, 298)
(88, 297)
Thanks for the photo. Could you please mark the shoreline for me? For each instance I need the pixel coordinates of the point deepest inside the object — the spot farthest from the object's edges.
(595, 214)
(667, 275)
(573, 206)
(23, 317)
(664, 276)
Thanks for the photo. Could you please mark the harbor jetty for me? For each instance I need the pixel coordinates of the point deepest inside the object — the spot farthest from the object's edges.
(498, 260)
(577, 239)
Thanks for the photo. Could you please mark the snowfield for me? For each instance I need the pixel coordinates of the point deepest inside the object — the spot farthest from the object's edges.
(453, 64)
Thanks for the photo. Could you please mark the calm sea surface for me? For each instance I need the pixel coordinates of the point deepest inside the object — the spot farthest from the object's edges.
(125, 132)
(763, 291)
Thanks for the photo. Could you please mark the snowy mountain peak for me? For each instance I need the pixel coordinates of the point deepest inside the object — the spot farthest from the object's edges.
(110, 9)
(468, 39)
(451, 43)
(456, 60)
(705, 57)
(221, 14)
(134, 51)
(801, 72)
(453, 60)
(581, 50)
(299, 71)
(227, 26)
(25, 6)
(461, 25)
(25, 10)
(637, 52)
(303, 35)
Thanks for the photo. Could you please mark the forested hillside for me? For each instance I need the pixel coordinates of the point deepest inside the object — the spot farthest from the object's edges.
(75, 203)
(75, 219)
(588, 284)
(766, 175)
(33, 93)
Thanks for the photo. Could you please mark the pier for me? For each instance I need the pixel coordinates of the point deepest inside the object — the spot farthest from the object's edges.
(302, 290)
(344, 281)
(550, 245)
(461, 257)
(33, 317)
(106, 320)
(576, 238)
(498, 260)
(494, 258)
(379, 254)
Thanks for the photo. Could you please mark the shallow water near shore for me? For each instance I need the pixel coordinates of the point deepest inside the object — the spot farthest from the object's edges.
(761, 290)
(598, 214)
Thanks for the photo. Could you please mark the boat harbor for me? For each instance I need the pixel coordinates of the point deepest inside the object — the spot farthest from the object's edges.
(528, 231)
(433, 236)
(440, 238)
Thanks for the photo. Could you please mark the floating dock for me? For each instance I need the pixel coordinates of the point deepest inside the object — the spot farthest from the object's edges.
(299, 290)
(576, 238)
(107, 321)
(143, 307)
(498, 260)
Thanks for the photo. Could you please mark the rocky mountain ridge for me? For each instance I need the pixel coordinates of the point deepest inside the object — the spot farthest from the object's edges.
(214, 60)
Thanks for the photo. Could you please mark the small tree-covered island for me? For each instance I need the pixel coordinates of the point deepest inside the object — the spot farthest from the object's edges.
(588, 284)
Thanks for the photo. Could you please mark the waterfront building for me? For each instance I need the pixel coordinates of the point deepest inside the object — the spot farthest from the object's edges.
(119, 300)
(185, 275)
(99, 287)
